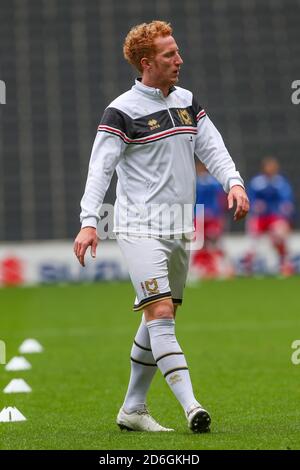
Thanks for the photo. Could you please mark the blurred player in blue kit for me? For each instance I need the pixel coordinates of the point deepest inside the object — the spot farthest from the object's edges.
(271, 213)
(210, 261)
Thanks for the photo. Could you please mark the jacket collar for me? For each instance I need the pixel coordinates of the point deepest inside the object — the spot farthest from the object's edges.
(148, 90)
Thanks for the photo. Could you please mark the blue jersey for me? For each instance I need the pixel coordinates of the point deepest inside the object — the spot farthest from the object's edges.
(271, 196)
(210, 193)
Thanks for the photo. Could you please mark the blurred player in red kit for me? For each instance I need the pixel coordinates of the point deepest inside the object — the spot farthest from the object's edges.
(210, 261)
(272, 210)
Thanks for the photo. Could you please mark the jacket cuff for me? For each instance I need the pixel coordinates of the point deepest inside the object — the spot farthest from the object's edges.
(89, 222)
(235, 182)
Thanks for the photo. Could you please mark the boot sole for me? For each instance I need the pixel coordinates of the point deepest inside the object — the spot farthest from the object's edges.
(124, 428)
(200, 422)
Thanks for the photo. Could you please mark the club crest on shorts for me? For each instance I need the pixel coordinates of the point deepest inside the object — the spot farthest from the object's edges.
(152, 286)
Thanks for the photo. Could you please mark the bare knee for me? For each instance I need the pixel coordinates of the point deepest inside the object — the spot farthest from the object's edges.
(280, 230)
(159, 310)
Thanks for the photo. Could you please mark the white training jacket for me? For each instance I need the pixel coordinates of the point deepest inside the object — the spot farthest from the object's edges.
(151, 141)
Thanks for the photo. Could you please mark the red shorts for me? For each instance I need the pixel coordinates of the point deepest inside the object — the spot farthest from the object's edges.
(213, 227)
(258, 225)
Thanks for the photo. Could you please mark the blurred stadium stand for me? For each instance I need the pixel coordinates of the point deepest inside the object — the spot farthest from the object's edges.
(62, 64)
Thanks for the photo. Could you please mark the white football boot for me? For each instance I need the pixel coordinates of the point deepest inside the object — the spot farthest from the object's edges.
(198, 418)
(139, 420)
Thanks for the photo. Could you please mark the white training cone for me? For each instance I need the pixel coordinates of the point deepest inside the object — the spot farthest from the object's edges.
(18, 363)
(30, 346)
(17, 386)
(11, 413)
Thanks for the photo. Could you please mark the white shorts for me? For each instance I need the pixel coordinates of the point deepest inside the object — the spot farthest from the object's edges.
(157, 268)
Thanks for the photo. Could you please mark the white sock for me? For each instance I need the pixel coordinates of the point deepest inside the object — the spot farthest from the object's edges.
(171, 361)
(143, 368)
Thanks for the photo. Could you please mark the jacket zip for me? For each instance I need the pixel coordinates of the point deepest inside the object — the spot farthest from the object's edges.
(171, 117)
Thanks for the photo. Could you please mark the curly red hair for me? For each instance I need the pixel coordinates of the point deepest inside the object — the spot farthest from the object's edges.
(139, 42)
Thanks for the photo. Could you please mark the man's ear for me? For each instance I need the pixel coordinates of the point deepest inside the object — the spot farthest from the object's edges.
(145, 63)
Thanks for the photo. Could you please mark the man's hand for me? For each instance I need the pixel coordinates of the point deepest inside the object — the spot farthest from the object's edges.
(85, 238)
(238, 194)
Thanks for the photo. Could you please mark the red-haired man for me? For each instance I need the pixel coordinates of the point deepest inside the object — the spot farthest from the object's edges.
(150, 135)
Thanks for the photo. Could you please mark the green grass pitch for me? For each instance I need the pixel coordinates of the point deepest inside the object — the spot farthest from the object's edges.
(237, 338)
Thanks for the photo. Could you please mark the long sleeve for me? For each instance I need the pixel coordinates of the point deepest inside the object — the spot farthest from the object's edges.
(211, 150)
(107, 151)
